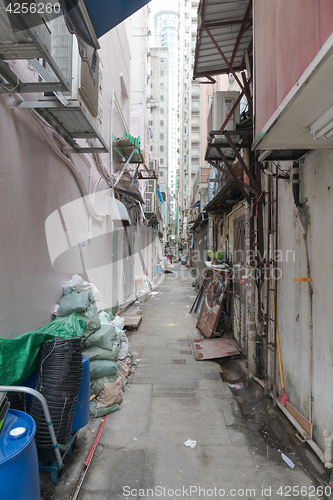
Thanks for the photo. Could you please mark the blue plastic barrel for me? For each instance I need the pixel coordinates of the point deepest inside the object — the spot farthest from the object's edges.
(158, 269)
(82, 409)
(19, 473)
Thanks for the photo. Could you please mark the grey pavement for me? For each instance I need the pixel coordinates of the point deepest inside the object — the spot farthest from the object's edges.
(170, 398)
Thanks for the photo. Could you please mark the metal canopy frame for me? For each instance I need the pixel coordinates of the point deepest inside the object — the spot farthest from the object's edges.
(224, 42)
(222, 23)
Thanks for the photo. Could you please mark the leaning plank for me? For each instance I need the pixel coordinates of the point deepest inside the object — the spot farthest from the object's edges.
(303, 422)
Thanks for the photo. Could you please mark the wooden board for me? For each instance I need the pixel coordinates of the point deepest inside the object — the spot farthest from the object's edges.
(212, 304)
(132, 321)
(303, 422)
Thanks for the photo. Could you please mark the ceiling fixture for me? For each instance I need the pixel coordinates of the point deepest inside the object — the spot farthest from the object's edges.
(323, 127)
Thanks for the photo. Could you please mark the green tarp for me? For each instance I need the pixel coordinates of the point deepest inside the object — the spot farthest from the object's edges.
(19, 356)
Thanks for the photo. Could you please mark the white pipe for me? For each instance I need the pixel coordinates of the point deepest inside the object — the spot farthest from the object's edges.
(97, 217)
(328, 438)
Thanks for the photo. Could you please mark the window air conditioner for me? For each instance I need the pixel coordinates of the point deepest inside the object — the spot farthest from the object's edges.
(221, 104)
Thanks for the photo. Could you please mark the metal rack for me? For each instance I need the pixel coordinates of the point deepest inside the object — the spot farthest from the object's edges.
(60, 450)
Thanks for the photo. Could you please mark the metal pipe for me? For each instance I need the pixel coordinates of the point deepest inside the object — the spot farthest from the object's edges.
(40, 397)
(275, 286)
(267, 292)
(328, 437)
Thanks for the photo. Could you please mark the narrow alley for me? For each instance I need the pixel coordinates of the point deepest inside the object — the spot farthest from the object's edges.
(171, 398)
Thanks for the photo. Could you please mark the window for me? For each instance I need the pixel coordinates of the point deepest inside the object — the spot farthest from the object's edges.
(162, 98)
(162, 111)
(161, 174)
(162, 136)
(161, 161)
(162, 72)
(162, 123)
(161, 149)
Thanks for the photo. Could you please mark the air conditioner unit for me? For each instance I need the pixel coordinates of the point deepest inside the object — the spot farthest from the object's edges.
(81, 118)
(221, 104)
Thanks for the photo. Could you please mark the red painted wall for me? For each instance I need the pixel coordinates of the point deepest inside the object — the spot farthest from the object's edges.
(287, 36)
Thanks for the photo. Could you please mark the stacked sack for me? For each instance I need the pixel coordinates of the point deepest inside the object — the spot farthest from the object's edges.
(104, 342)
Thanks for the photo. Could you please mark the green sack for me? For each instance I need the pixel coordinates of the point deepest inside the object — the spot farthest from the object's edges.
(74, 302)
(102, 368)
(97, 384)
(19, 356)
(95, 352)
(100, 412)
(105, 338)
(90, 316)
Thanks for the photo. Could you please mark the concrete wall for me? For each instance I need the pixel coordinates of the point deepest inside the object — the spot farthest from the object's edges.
(293, 297)
(35, 183)
(287, 36)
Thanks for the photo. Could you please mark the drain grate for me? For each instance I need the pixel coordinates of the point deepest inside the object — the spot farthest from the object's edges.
(178, 362)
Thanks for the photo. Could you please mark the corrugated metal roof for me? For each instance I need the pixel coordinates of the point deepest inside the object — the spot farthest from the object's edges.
(229, 24)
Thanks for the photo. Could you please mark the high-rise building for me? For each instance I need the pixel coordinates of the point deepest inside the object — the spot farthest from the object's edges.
(158, 106)
(189, 110)
(166, 34)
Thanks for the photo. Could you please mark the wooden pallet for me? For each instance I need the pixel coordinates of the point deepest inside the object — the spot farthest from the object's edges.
(132, 321)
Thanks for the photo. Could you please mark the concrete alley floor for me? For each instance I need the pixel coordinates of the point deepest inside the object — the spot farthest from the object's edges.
(171, 398)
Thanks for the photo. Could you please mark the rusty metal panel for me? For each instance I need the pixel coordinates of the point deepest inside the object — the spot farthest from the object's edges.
(212, 304)
(215, 348)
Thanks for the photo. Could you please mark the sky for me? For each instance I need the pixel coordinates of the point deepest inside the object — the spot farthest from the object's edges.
(157, 5)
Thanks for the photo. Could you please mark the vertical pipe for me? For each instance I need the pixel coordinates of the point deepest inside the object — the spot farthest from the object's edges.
(275, 286)
(267, 281)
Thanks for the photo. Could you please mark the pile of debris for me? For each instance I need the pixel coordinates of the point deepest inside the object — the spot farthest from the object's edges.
(104, 343)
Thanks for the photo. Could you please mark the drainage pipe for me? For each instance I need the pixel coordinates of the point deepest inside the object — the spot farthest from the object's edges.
(328, 436)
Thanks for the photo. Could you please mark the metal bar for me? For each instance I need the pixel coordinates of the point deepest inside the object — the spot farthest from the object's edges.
(241, 31)
(243, 164)
(124, 167)
(229, 167)
(44, 105)
(43, 73)
(218, 24)
(232, 70)
(232, 132)
(218, 71)
(33, 87)
(8, 74)
(40, 397)
(90, 150)
(227, 172)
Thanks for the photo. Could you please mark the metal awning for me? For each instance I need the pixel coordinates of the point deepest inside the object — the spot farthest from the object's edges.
(105, 15)
(224, 36)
